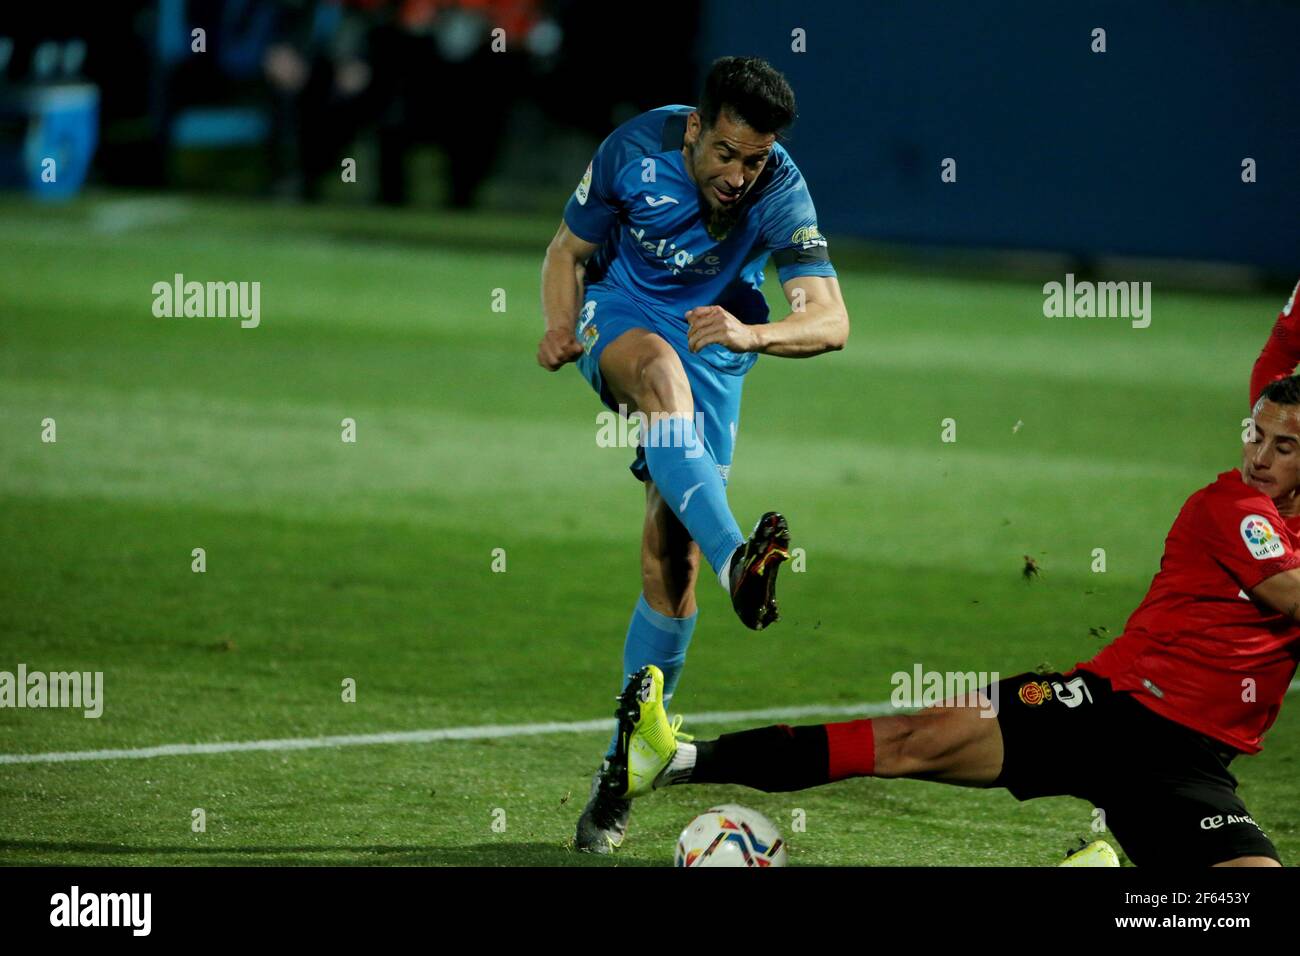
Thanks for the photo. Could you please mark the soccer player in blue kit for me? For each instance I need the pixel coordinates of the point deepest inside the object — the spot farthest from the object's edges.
(651, 285)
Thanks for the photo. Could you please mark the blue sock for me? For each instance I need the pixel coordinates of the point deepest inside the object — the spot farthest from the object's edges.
(687, 478)
(654, 638)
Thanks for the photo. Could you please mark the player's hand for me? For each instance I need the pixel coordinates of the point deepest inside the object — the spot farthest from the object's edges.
(714, 325)
(557, 348)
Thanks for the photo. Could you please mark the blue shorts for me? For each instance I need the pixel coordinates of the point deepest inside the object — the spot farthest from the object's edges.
(715, 374)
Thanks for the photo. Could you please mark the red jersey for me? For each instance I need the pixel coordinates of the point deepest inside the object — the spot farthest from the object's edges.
(1199, 650)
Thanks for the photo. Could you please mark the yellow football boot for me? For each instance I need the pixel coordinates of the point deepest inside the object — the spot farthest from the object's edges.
(646, 740)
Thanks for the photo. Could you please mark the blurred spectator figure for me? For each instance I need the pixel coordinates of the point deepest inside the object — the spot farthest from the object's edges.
(441, 72)
(456, 67)
(322, 88)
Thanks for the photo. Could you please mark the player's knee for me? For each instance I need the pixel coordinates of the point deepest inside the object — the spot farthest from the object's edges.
(661, 384)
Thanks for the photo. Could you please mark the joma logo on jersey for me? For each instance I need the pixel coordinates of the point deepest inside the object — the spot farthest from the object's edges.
(661, 201)
(1261, 540)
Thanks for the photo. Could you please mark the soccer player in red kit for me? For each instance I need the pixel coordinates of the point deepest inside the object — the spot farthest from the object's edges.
(1145, 730)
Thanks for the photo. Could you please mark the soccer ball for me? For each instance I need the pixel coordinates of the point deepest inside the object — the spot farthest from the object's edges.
(730, 835)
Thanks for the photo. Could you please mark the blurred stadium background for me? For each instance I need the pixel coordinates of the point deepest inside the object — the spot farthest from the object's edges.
(374, 560)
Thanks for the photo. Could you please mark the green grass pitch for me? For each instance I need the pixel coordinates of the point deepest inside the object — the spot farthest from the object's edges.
(373, 560)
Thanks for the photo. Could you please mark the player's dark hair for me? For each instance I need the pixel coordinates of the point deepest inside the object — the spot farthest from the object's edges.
(1285, 391)
(751, 90)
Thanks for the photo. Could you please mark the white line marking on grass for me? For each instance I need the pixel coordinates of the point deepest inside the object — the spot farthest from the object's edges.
(485, 732)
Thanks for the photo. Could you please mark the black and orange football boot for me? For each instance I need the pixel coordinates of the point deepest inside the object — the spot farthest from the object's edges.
(753, 571)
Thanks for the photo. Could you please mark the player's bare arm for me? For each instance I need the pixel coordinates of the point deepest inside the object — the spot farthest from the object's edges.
(818, 323)
(562, 273)
(1281, 352)
(1281, 592)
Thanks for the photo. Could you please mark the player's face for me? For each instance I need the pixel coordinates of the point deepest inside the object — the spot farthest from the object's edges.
(1271, 462)
(725, 159)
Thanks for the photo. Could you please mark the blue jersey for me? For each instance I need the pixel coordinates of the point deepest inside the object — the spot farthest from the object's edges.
(637, 201)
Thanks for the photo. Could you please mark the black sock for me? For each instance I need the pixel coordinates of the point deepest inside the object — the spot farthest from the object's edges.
(774, 759)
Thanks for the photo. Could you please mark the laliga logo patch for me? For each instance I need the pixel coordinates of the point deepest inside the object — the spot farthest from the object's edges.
(584, 187)
(1261, 540)
(1034, 693)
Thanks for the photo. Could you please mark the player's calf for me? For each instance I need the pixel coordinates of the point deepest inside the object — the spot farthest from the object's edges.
(670, 559)
(954, 746)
